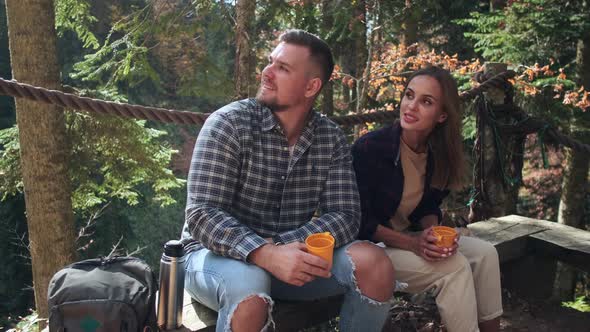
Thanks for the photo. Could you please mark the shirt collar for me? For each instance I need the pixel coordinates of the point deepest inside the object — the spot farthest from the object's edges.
(395, 135)
(270, 121)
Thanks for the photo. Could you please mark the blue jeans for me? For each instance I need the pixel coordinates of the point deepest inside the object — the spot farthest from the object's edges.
(221, 283)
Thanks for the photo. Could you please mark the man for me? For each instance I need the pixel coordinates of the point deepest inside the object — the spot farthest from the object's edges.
(261, 169)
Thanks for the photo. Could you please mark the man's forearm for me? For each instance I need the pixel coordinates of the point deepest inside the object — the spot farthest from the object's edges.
(261, 256)
(343, 227)
(221, 233)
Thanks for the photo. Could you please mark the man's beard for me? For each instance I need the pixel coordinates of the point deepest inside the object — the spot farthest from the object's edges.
(270, 102)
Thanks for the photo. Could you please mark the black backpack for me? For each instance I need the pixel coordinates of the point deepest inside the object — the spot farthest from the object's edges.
(103, 295)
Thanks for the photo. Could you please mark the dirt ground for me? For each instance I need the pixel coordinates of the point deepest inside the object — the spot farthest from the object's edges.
(520, 315)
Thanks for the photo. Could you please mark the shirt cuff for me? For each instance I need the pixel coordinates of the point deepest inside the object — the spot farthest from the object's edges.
(247, 245)
(277, 239)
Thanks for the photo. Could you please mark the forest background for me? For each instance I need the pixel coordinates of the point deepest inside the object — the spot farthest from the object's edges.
(127, 177)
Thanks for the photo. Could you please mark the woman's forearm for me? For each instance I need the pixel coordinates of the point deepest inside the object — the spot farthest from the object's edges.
(429, 221)
(394, 239)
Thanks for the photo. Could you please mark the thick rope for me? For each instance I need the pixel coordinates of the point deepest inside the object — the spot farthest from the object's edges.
(67, 100)
(354, 119)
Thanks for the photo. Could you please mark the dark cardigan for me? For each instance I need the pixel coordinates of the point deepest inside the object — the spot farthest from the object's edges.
(380, 178)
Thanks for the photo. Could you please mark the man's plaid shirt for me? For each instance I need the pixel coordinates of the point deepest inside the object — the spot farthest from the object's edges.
(244, 187)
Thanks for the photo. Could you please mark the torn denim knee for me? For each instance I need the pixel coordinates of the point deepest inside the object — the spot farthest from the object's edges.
(357, 289)
(269, 320)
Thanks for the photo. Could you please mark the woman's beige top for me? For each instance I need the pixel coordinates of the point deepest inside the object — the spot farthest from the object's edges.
(414, 166)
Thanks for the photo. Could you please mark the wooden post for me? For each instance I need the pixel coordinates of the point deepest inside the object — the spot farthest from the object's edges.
(498, 164)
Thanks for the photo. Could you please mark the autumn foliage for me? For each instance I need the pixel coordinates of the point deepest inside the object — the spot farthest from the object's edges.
(391, 67)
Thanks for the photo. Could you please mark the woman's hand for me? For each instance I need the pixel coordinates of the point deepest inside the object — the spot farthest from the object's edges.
(425, 247)
(456, 243)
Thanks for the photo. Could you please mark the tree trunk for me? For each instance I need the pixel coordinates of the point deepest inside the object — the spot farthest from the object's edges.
(359, 33)
(360, 38)
(328, 90)
(575, 180)
(497, 5)
(354, 50)
(328, 99)
(575, 177)
(346, 61)
(573, 188)
(244, 72)
(564, 282)
(409, 31)
(43, 145)
(497, 192)
(177, 56)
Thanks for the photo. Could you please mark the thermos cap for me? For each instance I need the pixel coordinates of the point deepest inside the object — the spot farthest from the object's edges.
(174, 248)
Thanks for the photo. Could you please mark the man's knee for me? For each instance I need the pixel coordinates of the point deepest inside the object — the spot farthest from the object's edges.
(373, 271)
(250, 314)
(248, 280)
(247, 290)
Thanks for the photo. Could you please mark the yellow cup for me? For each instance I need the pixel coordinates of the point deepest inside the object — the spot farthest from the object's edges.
(321, 245)
(445, 236)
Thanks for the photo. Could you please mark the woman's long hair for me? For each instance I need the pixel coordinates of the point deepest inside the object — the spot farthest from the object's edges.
(446, 140)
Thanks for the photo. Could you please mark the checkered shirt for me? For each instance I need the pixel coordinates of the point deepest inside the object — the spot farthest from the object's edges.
(243, 186)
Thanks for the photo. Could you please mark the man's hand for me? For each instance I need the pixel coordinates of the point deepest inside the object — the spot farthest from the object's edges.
(290, 263)
(425, 247)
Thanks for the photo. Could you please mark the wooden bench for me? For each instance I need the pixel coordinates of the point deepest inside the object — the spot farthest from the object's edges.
(517, 239)
(524, 245)
(529, 250)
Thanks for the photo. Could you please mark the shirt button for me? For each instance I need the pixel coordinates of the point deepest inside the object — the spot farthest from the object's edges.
(282, 177)
(285, 148)
(278, 206)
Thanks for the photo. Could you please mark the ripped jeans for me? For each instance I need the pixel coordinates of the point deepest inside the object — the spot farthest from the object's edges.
(221, 283)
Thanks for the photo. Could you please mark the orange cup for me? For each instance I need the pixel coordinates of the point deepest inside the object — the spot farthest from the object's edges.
(321, 245)
(445, 236)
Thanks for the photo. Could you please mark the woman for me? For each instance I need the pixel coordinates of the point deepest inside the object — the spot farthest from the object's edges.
(403, 172)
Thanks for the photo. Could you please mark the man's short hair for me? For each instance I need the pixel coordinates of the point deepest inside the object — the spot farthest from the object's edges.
(319, 50)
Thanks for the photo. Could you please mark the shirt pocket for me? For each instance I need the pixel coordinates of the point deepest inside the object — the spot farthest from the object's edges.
(306, 182)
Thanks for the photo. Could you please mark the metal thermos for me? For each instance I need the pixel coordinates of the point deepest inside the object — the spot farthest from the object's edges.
(171, 286)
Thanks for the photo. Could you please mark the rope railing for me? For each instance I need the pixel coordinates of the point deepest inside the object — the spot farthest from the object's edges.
(529, 124)
(67, 100)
